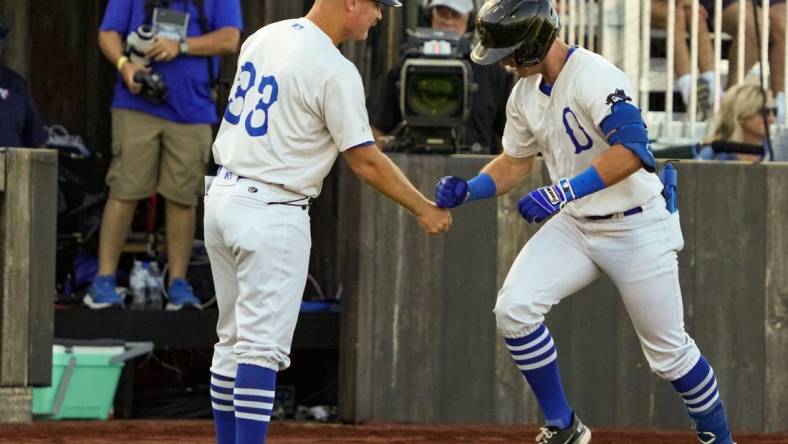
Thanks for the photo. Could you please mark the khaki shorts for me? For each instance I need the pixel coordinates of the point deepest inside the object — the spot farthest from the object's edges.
(154, 154)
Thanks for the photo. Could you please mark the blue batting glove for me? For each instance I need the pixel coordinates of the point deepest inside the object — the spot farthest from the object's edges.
(543, 202)
(451, 191)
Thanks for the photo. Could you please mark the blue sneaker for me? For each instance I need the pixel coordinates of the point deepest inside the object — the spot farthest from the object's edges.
(102, 293)
(180, 295)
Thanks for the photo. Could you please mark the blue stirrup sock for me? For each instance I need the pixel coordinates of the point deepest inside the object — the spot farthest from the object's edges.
(481, 187)
(222, 408)
(537, 359)
(701, 396)
(253, 399)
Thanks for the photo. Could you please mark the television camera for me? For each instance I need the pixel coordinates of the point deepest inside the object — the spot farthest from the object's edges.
(435, 90)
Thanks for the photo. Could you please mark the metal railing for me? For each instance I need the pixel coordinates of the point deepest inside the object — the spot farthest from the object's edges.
(621, 30)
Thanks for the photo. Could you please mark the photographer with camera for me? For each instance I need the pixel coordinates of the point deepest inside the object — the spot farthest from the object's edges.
(481, 132)
(20, 125)
(162, 112)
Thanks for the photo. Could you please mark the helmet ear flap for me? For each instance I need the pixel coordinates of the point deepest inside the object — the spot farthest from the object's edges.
(535, 54)
(519, 55)
(525, 58)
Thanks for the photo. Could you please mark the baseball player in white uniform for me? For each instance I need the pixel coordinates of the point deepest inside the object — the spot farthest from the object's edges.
(608, 214)
(295, 105)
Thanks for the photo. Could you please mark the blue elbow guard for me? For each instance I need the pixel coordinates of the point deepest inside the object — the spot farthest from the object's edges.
(625, 126)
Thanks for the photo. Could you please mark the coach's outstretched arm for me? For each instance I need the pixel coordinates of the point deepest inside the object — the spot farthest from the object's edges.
(496, 179)
(379, 172)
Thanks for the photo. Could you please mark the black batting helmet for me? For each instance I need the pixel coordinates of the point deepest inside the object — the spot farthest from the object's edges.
(524, 28)
(394, 3)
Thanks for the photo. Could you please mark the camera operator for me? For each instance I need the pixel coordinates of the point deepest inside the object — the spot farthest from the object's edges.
(484, 128)
(20, 125)
(161, 124)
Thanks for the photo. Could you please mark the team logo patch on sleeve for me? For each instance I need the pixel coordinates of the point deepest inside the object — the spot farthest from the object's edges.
(618, 96)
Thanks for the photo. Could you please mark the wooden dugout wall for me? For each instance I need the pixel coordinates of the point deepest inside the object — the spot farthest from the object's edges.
(418, 333)
(28, 205)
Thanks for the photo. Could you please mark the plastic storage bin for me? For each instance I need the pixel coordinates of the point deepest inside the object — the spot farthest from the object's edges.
(84, 380)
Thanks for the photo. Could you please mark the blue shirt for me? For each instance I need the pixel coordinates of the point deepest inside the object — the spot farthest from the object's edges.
(189, 97)
(20, 125)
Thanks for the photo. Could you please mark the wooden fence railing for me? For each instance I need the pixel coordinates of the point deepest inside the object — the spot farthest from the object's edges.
(418, 334)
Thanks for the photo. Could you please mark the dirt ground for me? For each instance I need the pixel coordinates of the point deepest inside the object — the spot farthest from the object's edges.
(286, 432)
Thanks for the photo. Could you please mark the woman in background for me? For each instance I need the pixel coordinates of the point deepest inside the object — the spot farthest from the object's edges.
(745, 113)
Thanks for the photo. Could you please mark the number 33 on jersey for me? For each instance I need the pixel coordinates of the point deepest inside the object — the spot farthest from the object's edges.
(256, 120)
(285, 124)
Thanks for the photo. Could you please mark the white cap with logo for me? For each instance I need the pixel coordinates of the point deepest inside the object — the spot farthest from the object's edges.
(461, 6)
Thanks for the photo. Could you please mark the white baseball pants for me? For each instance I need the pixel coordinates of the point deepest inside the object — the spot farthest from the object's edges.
(259, 259)
(638, 252)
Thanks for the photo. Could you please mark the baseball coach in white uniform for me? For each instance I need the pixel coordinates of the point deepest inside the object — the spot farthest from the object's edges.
(295, 105)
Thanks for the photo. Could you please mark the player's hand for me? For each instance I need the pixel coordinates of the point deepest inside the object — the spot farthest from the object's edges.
(434, 220)
(543, 202)
(451, 191)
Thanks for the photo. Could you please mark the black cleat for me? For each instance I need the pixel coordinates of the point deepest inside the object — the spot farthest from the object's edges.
(577, 433)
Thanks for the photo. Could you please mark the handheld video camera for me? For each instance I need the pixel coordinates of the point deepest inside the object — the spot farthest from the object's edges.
(154, 88)
(435, 92)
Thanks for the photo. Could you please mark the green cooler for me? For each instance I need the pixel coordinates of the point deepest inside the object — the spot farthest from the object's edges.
(84, 380)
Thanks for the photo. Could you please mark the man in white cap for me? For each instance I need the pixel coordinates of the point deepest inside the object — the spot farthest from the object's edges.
(484, 128)
(451, 15)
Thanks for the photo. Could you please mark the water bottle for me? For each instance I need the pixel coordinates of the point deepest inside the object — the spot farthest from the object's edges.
(154, 287)
(138, 284)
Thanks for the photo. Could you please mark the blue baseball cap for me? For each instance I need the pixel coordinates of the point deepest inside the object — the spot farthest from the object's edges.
(392, 3)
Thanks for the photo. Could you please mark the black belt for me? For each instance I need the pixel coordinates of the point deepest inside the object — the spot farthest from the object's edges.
(629, 212)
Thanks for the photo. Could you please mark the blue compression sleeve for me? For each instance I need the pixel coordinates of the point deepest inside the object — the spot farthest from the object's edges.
(586, 183)
(481, 187)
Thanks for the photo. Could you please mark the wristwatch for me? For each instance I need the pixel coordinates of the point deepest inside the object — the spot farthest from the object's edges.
(183, 47)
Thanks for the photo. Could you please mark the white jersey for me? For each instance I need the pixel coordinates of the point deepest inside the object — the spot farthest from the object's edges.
(296, 103)
(564, 127)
